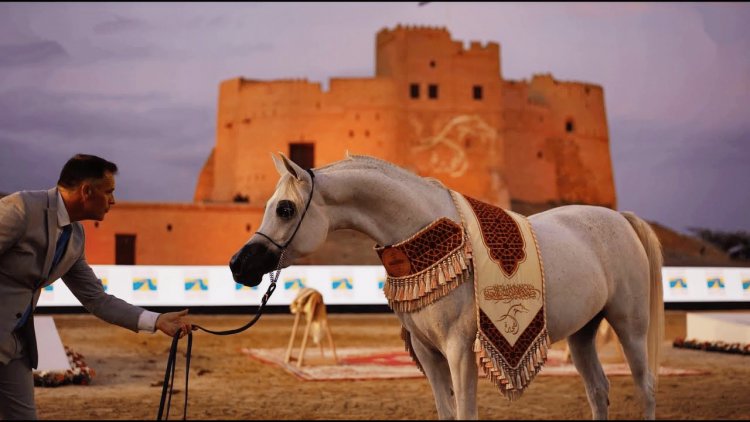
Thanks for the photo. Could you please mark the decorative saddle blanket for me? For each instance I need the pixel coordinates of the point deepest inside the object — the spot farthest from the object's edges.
(426, 266)
(499, 247)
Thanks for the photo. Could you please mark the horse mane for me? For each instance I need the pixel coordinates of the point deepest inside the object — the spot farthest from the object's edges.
(370, 162)
(288, 186)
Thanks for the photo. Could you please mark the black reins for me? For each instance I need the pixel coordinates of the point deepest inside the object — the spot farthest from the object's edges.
(168, 384)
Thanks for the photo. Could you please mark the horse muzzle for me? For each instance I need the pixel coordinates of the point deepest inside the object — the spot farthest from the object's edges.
(252, 261)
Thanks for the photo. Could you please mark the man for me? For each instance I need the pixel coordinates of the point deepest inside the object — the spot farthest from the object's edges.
(42, 240)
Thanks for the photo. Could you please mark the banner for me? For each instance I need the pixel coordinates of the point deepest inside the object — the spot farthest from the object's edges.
(340, 285)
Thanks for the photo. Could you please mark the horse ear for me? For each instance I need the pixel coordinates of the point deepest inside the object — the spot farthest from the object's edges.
(279, 165)
(292, 167)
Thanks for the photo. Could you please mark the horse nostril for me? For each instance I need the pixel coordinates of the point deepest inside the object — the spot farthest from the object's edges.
(235, 264)
(254, 249)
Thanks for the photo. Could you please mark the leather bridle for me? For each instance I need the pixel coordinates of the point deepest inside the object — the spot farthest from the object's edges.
(168, 384)
(299, 223)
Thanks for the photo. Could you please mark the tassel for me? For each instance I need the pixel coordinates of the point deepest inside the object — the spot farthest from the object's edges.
(462, 263)
(456, 266)
(451, 268)
(435, 284)
(477, 344)
(441, 278)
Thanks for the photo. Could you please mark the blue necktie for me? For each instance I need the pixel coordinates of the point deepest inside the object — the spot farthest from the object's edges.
(62, 242)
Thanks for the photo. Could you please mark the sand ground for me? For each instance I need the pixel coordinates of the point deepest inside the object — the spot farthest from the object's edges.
(227, 384)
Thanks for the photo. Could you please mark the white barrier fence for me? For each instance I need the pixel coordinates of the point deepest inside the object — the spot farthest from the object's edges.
(339, 285)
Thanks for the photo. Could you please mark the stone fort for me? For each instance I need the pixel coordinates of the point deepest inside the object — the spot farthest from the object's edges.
(435, 106)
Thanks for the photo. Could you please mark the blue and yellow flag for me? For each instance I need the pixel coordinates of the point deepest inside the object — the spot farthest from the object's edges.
(715, 283)
(295, 283)
(196, 284)
(677, 283)
(144, 284)
(341, 284)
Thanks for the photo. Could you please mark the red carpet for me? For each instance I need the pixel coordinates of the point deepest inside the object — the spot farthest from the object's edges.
(390, 363)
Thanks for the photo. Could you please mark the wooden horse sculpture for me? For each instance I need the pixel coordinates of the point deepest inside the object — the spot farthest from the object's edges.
(309, 302)
(597, 264)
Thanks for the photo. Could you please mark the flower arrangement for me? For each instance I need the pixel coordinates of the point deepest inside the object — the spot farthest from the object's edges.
(78, 373)
(712, 346)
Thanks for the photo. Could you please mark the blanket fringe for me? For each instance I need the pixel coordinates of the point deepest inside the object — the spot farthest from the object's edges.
(414, 292)
(511, 381)
(406, 337)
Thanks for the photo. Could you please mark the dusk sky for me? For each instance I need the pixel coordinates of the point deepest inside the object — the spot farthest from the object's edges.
(137, 83)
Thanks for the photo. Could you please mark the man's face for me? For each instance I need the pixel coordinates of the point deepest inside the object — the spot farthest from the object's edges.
(98, 196)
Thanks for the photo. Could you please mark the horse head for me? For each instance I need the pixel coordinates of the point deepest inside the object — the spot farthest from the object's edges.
(294, 222)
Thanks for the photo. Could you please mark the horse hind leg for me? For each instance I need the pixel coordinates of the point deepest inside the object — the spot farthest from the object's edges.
(435, 367)
(633, 340)
(582, 345)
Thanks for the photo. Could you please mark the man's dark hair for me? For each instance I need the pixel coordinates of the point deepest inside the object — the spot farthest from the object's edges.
(82, 167)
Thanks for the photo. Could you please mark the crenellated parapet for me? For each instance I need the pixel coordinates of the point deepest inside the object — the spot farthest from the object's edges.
(437, 106)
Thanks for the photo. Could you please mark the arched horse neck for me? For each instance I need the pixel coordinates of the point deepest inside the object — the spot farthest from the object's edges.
(385, 202)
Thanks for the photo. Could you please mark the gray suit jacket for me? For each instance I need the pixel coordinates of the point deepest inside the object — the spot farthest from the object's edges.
(27, 223)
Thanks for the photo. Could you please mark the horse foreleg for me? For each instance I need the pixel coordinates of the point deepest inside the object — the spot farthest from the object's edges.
(465, 374)
(582, 346)
(438, 373)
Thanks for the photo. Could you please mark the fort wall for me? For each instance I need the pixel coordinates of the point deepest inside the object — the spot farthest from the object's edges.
(173, 234)
(435, 106)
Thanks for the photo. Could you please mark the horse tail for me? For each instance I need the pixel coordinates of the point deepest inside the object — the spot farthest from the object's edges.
(652, 246)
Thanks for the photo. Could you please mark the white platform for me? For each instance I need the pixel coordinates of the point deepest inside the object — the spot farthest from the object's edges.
(52, 356)
(729, 327)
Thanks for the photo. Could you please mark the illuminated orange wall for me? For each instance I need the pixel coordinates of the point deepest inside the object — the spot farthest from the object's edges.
(512, 144)
(201, 234)
(538, 142)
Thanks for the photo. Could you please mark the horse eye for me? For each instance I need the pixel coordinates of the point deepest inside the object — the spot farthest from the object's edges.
(285, 209)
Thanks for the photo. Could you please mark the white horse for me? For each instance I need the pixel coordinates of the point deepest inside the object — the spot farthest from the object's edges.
(598, 263)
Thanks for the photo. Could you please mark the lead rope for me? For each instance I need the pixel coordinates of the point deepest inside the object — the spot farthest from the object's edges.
(169, 374)
(168, 384)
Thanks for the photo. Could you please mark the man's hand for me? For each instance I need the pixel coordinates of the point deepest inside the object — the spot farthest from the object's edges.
(171, 322)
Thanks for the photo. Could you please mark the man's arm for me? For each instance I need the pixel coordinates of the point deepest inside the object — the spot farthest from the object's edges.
(88, 289)
(12, 221)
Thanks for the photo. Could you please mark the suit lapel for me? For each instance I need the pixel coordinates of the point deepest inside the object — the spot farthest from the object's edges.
(51, 228)
(72, 252)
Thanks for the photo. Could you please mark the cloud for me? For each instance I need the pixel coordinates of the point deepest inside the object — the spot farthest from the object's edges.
(25, 167)
(120, 24)
(31, 53)
(160, 146)
(138, 83)
(680, 176)
(725, 23)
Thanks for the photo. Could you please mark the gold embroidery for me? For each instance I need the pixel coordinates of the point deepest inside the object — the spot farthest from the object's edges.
(506, 293)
